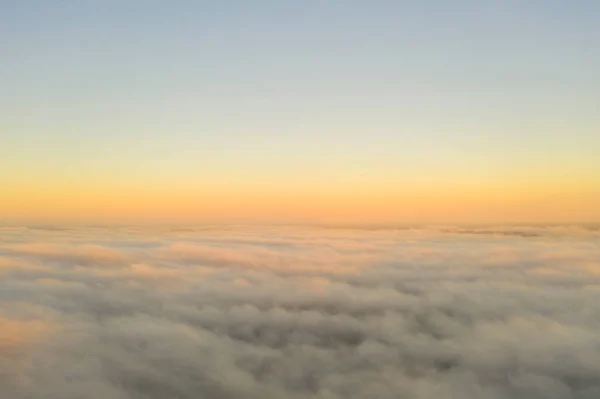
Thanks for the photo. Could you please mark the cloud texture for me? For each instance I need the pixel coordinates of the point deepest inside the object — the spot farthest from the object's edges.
(423, 313)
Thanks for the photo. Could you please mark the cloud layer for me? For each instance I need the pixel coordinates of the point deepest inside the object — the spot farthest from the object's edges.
(424, 313)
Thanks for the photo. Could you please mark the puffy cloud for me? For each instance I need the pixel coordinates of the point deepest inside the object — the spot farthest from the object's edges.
(84, 255)
(17, 338)
(300, 313)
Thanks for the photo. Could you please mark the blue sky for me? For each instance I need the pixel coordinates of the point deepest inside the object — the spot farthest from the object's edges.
(267, 88)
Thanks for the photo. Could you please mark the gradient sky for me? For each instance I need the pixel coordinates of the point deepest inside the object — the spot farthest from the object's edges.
(432, 111)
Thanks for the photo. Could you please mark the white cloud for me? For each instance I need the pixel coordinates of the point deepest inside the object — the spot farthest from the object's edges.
(300, 313)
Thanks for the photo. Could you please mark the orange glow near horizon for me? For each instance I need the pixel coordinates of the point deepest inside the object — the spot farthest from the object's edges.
(439, 203)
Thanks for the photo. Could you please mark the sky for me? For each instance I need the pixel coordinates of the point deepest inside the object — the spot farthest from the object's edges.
(378, 111)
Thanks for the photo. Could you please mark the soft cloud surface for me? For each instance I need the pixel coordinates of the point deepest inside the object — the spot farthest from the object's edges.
(423, 313)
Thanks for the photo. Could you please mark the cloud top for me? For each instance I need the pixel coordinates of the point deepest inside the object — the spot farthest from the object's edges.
(492, 313)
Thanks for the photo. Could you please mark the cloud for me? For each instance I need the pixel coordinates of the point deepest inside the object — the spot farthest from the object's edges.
(300, 313)
(84, 255)
(17, 338)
